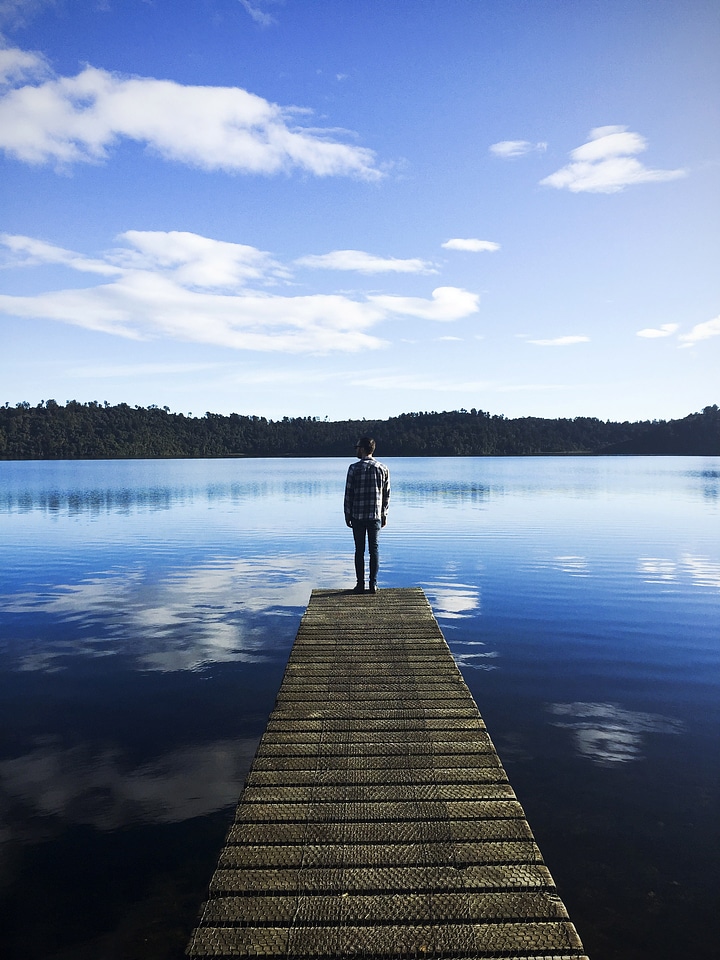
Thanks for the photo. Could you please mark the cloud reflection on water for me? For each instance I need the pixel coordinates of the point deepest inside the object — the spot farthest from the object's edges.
(606, 733)
(459, 601)
(575, 566)
(177, 621)
(701, 571)
(452, 601)
(94, 786)
(475, 661)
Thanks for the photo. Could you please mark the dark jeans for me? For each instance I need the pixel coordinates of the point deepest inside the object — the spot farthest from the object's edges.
(360, 528)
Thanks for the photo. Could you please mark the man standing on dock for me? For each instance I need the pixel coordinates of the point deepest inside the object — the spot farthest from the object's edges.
(367, 496)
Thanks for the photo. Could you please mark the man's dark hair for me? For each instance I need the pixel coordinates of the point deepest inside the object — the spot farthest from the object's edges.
(367, 444)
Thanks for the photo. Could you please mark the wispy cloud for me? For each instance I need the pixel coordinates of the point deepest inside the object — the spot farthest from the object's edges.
(188, 258)
(260, 16)
(471, 245)
(701, 331)
(17, 13)
(17, 66)
(361, 262)
(191, 288)
(29, 252)
(653, 333)
(607, 164)
(68, 120)
(197, 261)
(507, 149)
(560, 341)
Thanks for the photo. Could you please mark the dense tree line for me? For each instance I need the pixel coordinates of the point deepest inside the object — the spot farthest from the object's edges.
(50, 431)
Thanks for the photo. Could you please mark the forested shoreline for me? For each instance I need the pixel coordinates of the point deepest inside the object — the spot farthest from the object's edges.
(93, 431)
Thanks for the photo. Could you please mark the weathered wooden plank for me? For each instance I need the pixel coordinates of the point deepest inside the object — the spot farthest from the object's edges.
(377, 819)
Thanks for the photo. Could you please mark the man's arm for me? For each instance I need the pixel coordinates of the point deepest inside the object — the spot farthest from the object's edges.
(348, 501)
(385, 497)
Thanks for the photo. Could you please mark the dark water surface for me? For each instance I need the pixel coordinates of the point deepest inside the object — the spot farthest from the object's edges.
(147, 610)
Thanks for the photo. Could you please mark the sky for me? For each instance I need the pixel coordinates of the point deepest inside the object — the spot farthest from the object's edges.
(361, 208)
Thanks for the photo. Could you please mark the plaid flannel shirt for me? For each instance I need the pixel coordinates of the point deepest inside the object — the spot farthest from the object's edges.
(367, 490)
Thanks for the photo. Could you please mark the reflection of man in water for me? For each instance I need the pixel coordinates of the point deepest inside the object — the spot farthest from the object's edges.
(367, 495)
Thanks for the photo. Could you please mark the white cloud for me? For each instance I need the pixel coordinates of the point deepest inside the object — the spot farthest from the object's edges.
(197, 261)
(259, 15)
(187, 258)
(186, 287)
(516, 148)
(361, 262)
(702, 331)
(606, 164)
(143, 305)
(560, 341)
(17, 66)
(610, 141)
(471, 245)
(652, 333)
(448, 303)
(66, 120)
(29, 252)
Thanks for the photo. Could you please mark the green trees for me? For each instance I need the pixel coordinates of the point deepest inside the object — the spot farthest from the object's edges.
(100, 431)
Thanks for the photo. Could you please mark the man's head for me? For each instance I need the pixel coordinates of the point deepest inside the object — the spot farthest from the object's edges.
(365, 447)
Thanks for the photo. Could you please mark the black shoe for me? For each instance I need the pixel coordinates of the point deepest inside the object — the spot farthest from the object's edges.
(359, 588)
(372, 588)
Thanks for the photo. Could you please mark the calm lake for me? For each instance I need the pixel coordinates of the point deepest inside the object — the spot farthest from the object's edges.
(147, 610)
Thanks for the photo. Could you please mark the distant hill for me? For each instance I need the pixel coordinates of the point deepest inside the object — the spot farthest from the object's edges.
(91, 431)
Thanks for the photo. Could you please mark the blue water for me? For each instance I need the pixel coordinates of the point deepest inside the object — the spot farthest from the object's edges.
(147, 609)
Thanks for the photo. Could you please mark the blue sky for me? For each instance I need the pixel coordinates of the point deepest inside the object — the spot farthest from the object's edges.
(358, 208)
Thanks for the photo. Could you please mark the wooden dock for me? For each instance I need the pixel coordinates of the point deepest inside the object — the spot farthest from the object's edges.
(377, 820)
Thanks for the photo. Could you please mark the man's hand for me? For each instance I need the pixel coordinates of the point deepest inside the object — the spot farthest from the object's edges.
(384, 521)
(349, 522)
